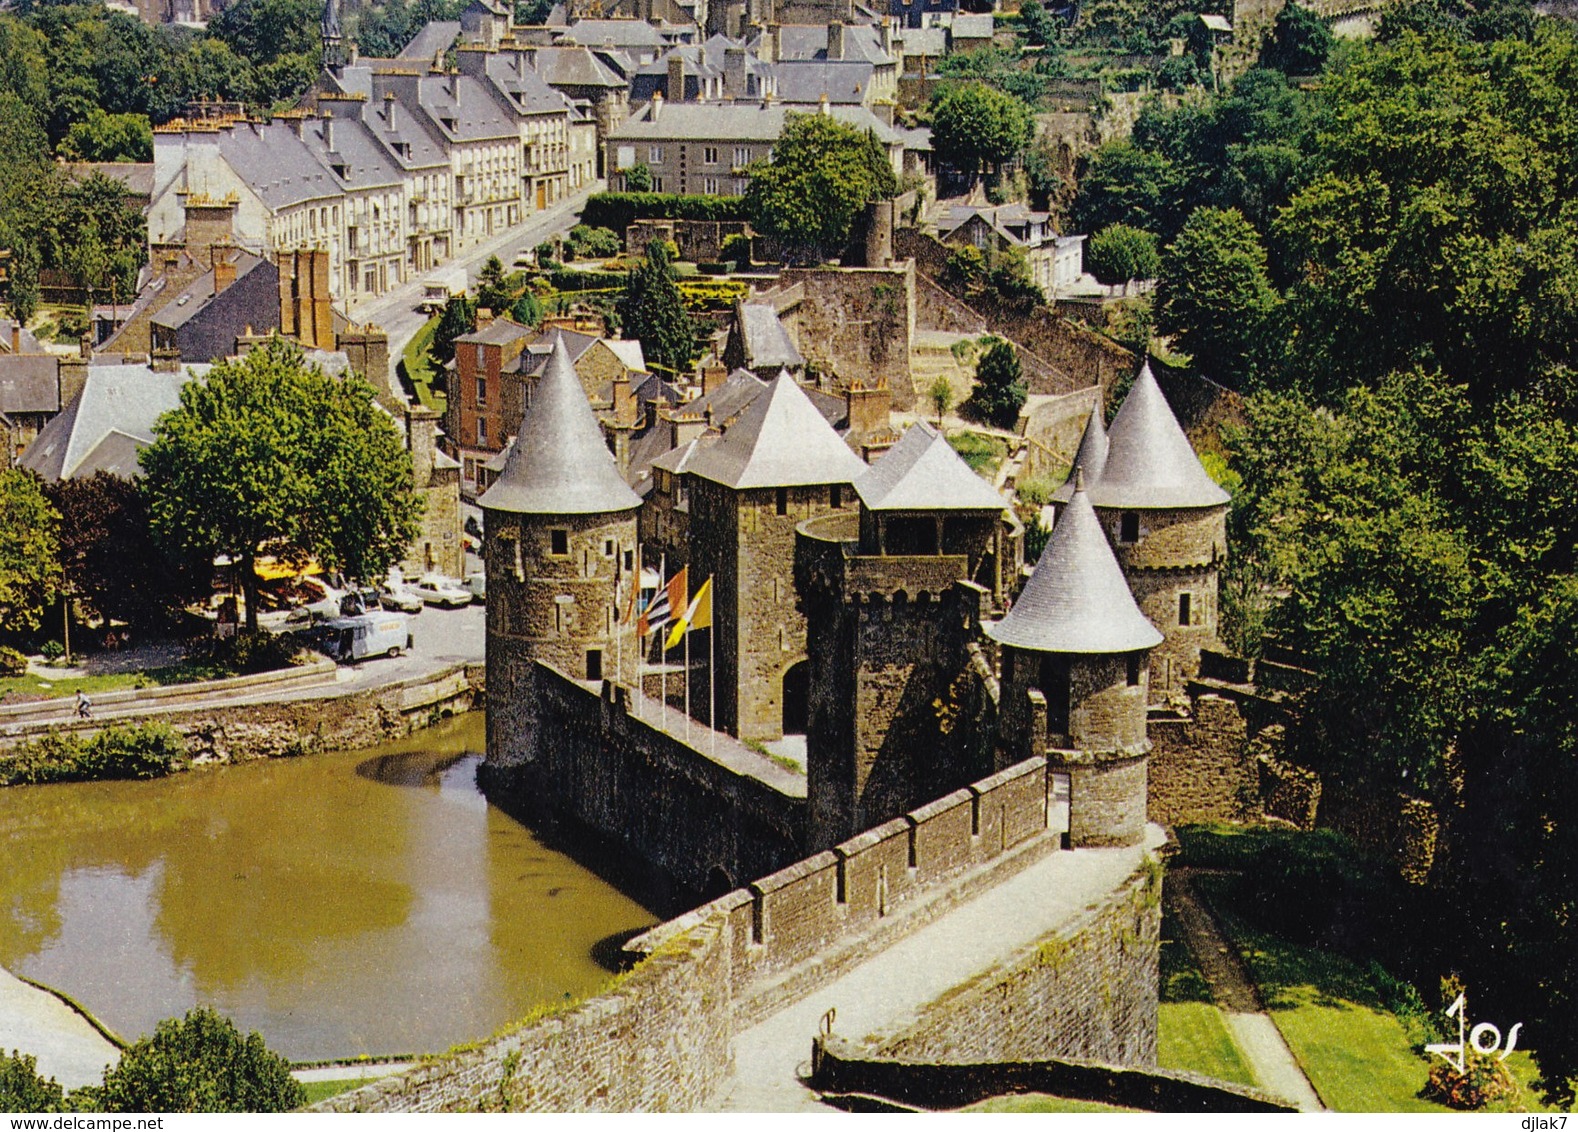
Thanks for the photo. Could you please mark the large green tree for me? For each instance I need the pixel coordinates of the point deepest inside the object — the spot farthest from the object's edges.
(29, 550)
(1216, 298)
(268, 455)
(976, 128)
(1119, 253)
(652, 311)
(999, 391)
(200, 1063)
(822, 174)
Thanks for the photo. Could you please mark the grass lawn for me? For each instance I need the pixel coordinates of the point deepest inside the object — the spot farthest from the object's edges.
(1191, 1032)
(323, 1090)
(183, 673)
(1040, 1102)
(980, 450)
(417, 360)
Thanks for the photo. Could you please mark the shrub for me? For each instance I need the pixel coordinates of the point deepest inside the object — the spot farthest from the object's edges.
(53, 651)
(1037, 491)
(712, 268)
(999, 387)
(592, 243)
(246, 653)
(617, 211)
(1037, 535)
(736, 249)
(1483, 1081)
(200, 1063)
(23, 1090)
(149, 750)
(12, 663)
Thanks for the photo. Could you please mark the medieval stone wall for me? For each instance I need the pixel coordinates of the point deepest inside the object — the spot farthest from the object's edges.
(857, 324)
(1106, 801)
(1200, 767)
(1086, 991)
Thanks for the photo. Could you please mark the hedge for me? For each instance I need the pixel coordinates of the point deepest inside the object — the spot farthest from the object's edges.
(619, 210)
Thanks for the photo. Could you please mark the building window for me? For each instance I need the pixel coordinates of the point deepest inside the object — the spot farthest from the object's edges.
(1183, 609)
(654, 154)
(657, 184)
(608, 548)
(482, 430)
(835, 495)
(709, 154)
(709, 185)
(1129, 527)
(783, 501)
(1054, 685)
(559, 542)
(630, 560)
(594, 664)
(1134, 670)
(742, 156)
(480, 356)
(482, 391)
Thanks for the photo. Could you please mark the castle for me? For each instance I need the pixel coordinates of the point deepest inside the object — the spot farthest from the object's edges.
(869, 608)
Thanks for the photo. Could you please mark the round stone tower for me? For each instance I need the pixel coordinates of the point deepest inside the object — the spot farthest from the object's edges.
(1074, 673)
(1167, 522)
(561, 557)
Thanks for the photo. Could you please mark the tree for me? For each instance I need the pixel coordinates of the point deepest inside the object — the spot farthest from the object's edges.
(974, 127)
(999, 391)
(270, 456)
(200, 1063)
(108, 556)
(29, 550)
(1299, 42)
(638, 178)
(1216, 299)
(1041, 27)
(941, 396)
(458, 317)
(1119, 253)
(1124, 184)
(23, 1090)
(527, 309)
(652, 311)
(493, 288)
(822, 174)
(108, 137)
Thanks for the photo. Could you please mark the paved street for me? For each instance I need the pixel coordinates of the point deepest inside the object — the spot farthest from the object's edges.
(397, 311)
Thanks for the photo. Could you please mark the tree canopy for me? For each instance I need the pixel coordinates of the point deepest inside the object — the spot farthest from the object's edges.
(1216, 299)
(268, 455)
(999, 391)
(1119, 253)
(29, 550)
(199, 1063)
(822, 174)
(975, 127)
(652, 310)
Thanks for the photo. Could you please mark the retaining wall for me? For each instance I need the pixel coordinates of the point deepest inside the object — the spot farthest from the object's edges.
(1086, 991)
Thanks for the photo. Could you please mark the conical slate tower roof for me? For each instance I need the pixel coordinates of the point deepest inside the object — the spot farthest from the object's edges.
(922, 472)
(1076, 600)
(1150, 463)
(559, 464)
(779, 441)
(1092, 455)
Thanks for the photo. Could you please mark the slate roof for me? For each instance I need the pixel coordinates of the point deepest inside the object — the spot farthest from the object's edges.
(30, 344)
(462, 109)
(500, 332)
(573, 65)
(930, 42)
(862, 42)
(922, 472)
(766, 341)
(276, 165)
(728, 400)
(971, 26)
(781, 440)
(843, 82)
(29, 383)
(559, 464)
(1150, 463)
(123, 400)
(192, 299)
(736, 121)
(435, 37)
(1077, 599)
(527, 90)
(620, 33)
(1091, 455)
(357, 157)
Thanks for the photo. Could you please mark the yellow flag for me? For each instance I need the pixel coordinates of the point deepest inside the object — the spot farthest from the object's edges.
(697, 615)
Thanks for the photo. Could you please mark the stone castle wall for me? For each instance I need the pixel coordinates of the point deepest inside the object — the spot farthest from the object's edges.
(1201, 769)
(658, 1039)
(856, 324)
(1087, 991)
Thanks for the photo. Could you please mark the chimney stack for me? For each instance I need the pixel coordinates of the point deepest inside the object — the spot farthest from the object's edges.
(224, 268)
(835, 40)
(16, 336)
(676, 77)
(713, 374)
(657, 106)
(389, 109)
(328, 129)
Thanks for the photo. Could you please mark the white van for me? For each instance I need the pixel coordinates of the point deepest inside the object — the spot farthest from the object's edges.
(367, 634)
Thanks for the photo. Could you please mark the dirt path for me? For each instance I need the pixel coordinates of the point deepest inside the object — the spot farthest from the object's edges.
(1234, 991)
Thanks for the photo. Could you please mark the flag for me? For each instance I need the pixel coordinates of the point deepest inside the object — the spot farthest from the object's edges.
(628, 614)
(697, 615)
(660, 608)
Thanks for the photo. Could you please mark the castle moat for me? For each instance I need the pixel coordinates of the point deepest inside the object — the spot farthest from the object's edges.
(361, 902)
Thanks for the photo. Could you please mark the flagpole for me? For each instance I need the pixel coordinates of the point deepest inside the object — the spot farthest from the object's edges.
(687, 681)
(662, 649)
(712, 687)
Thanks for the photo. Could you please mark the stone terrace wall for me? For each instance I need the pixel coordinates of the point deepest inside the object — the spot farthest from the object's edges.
(1202, 768)
(659, 1040)
(1087, 991)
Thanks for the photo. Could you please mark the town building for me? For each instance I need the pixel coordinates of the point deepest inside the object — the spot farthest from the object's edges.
(1056, 262)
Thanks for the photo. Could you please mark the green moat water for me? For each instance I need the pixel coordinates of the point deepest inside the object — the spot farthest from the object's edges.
(358, 902)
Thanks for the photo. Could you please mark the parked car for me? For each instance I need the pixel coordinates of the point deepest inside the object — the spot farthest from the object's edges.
(477, 583)
(367, 634)
(436, 589)
(399, 597)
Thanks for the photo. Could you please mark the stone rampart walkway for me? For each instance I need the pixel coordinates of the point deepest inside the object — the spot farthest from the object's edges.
(770, 1057)
(1253, 1030)
(66, 1046)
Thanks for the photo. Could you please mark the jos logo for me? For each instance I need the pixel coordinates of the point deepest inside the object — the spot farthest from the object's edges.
(1483, 1038)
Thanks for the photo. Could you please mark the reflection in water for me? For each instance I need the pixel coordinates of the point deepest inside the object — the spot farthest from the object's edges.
(341, 904)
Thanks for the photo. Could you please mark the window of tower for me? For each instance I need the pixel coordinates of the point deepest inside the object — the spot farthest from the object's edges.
(835, 495)
(594, 664)
(1129, 527)
(1054, 684)
(783, 501)
(1134, 669)
(1183, 609)
(608, 548)
(559, 542)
